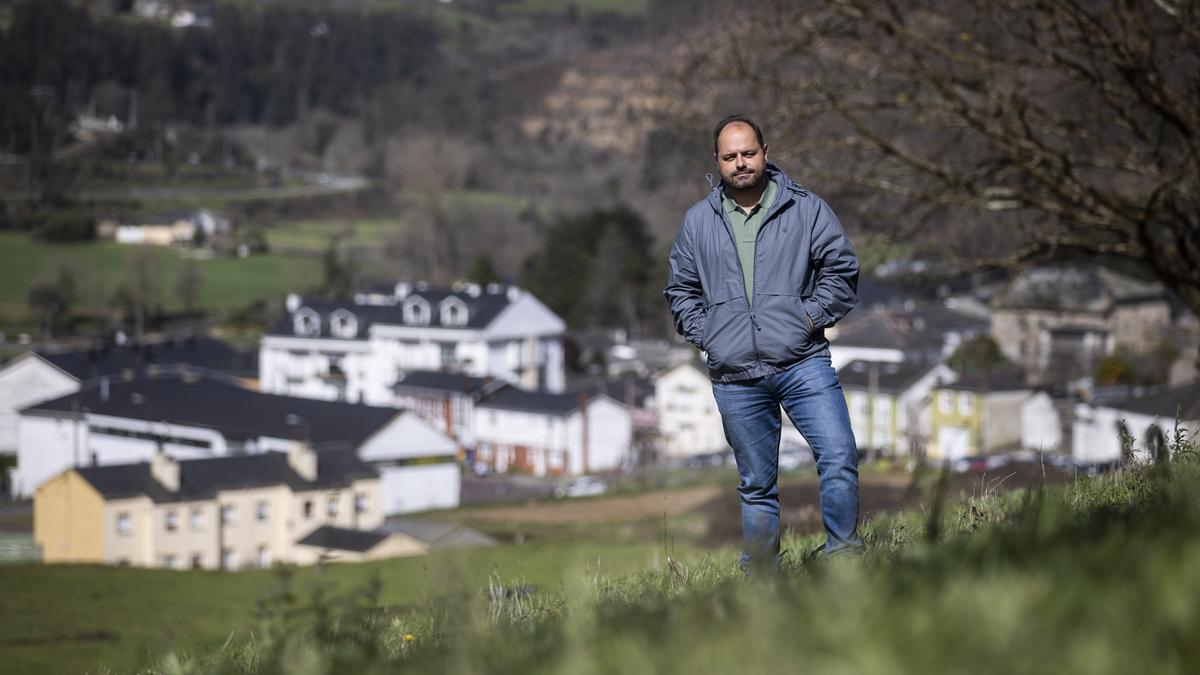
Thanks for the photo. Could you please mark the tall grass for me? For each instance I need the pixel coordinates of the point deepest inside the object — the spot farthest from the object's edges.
(1098, 576)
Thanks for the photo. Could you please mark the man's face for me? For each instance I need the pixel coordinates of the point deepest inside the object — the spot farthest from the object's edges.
(740, 159)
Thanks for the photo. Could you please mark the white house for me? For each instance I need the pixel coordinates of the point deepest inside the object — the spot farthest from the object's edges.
(357, 350)
(445, 400)
(1094, 434)
(551, 434)
(33, 377)
(688, 420)
(889, 402)
(120, 421)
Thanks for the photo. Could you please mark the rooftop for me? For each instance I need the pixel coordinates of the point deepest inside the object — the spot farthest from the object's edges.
(110, 359)
(889, 377)
(343, 539)
(235, 412)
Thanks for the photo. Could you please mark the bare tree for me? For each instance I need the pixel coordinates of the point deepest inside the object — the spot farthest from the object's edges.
(1032, 128)
(188, 282)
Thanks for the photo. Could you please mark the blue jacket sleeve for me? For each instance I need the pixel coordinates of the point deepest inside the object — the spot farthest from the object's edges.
(683, 292)
(835, 265)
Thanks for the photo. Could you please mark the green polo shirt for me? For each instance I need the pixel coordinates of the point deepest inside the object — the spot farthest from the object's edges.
(745, 230)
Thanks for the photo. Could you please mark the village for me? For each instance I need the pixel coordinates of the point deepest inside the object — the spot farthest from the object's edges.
(183, 452)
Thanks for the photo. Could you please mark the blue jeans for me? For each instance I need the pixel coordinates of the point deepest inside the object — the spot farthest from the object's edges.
(812, 398)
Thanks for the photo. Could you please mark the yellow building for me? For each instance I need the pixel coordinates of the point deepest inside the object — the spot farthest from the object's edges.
(976, 416)
(220, 513)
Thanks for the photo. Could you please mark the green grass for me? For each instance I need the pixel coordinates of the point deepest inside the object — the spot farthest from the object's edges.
(1097, 576)
(227, 283)
(315, 235)
(60, 618)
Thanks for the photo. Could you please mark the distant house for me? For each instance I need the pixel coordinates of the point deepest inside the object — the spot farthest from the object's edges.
(977, 415)
(297, 507)
(117, 421)
(358, 350)
(1095, 437)
(168, 228)
(889, 403)
(1057, 322)
(921, 333)
(38, 376)
(688, 420)
(445, 400)
(545, 433)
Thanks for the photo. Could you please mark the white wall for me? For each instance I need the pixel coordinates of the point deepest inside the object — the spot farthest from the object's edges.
(419, 488)
(609, 436)
(840, 355)
(24, 381)
(1041, 428)
(406, 436)
(688, 419)
(1094, 434)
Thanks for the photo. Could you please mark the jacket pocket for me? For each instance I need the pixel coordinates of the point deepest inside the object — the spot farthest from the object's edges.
(728, 341)
(787, 330)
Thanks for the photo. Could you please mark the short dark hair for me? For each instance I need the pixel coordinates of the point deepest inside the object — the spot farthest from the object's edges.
(731, 119)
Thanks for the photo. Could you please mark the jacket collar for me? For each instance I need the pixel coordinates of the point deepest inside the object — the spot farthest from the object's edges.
(775, 174)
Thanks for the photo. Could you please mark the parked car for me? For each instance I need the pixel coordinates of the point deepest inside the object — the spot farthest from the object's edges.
(584, 486)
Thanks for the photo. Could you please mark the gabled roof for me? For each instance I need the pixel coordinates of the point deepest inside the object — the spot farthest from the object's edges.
(204, 478)
(233, 411)
(343, 539)
(1076, 288)
(459, 383)
(482, 309)
(512, 398)
(1166, 403)
(1005, 380)
(109, 359)
(615, 388)
(436, 534)
(889, 377)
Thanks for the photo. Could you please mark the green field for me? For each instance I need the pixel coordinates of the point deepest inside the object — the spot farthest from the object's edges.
(315, 235)
(226, 283)
(69, 619)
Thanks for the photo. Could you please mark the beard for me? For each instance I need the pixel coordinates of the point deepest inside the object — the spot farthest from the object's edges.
(745, 181)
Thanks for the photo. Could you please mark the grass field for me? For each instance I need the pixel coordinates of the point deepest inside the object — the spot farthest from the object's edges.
(227, 283)
(1094, 576)
(71, 619)
(314, 235)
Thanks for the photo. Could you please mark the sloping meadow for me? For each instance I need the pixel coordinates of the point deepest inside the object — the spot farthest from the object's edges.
(1101, 575)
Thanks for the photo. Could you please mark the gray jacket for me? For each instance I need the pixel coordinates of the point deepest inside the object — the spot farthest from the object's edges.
(805, 280)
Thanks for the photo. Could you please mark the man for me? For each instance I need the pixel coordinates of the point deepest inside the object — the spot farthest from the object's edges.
(760, 268)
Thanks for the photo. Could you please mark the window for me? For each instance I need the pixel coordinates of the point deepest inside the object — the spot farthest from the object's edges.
(262, 510)
(331, 507)
(360, 503)
(171, 520)
(447, 354)
(416, 311)
(306, 323)
(964, 403)
(197, 519)
(308, 508)
(454, 312)
(229, 559)
(264, 557)
(343, 324)
(228, 514)
(197, 561)
(124, 524)
(945, 404)
(170, 562)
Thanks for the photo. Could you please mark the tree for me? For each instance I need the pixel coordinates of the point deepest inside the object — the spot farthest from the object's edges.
(187, 284)
(52, 299)
(483, 270)
(1030, 129)
(137, 292)
(978, 356)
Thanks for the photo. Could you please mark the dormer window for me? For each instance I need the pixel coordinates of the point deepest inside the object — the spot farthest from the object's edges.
(306, 322)
(416, 311)
(454, 312)
(343, 324)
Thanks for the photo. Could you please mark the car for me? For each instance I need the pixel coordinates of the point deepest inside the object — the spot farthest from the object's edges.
(584, 486)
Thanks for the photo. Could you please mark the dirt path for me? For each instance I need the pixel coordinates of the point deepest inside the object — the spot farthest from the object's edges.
(599, 509)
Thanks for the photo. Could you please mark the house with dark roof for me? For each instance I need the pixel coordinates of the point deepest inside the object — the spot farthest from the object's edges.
(39, 376)
(920, 332)
(977, 415)
(889, 403)
(1095, 436)
(231, 512)
(356, 350)
(445, 400)
(1057, 321)
(547, 433)
(134, 418)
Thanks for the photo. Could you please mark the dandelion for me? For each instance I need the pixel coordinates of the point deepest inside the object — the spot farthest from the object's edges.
(408, 637)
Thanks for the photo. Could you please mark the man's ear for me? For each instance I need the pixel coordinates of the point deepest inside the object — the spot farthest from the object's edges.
(765, 147)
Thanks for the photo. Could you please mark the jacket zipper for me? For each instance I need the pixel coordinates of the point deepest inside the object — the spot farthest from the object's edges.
(749, 291)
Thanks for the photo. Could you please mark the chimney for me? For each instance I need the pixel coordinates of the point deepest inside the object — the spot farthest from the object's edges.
(104, 389)
(293, 302)
(403, 289)
(165, 470)
(303, 460)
